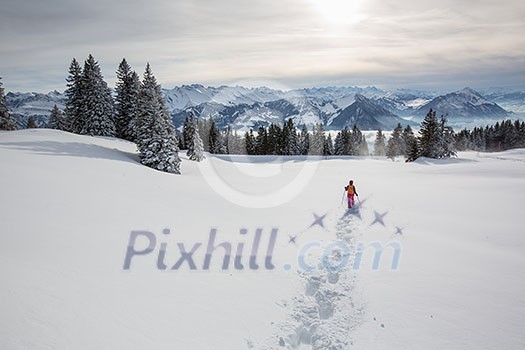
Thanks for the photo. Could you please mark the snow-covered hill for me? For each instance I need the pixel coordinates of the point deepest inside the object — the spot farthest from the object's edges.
(75, 207)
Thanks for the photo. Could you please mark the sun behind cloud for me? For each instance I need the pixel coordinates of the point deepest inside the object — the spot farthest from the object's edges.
(339, 12)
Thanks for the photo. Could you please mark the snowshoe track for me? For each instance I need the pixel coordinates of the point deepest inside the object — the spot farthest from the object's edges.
(324, 314)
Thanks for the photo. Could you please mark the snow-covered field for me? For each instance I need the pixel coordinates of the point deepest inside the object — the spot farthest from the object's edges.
(75, 210)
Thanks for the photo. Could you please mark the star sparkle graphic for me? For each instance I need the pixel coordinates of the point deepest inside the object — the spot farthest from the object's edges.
(399, 230)
(318, 220)
(379, 218)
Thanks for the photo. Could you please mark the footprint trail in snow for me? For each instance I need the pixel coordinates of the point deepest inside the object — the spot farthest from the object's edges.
(323, 315)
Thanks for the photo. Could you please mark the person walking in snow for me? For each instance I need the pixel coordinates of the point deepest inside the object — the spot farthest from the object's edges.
(351, 191)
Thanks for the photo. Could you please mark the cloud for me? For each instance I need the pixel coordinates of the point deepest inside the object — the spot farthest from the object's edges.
(216, 42)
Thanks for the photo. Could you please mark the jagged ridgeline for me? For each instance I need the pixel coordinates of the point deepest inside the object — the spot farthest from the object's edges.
(242, 108)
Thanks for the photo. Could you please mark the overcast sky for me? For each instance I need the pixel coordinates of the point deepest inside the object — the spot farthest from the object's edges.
(446, 44)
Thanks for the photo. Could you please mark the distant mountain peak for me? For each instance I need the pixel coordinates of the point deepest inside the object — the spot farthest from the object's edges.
(464, 104)
(469, 91)
(360, 97)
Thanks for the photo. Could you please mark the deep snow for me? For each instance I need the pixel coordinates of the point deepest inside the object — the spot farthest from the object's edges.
(69, 204)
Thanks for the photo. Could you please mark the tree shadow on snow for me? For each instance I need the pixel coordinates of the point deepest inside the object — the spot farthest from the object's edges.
(73, 149)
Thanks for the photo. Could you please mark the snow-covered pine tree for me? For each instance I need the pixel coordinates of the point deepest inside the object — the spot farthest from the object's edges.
(519, 126)
(261, 141)
(126, 100)
(379, 144)
(7, 120)
(430, 136)
(130, 130)
(215, 141)
(358, 144)
(155, 134)
(407, 136)
(31, 124)
(317, 140)
(204, 132)
(328, 149)
(195, 148)
(275, 139)
(462, 140)
(188, 129)
(304, 140)
(74, 92)
(97, 111)
(396, 145)
(447, 148)
(342, 142)
(412, 150)
(249, 139)
(192, 138)
(56, 119)
(236, 144)
(290, 139)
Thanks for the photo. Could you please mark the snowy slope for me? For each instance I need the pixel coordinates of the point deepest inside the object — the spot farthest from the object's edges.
(72, 202)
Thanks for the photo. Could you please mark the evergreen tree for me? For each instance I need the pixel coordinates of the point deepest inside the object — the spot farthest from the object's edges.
(358, 144)
(188, 129)
(7, 120)
(97, 111)
(412, 150)
(304, 140)
(192, 138)
(430, 139)
(155, 134)
(396, 145)
(379, 145)
(57, 119)
(275, 136)
(462, 140)
(74, 93)
(235, 143)
(479, 140)
(215, 139)
(447, 148)
(249, 139)
(519, 126)
(342, 143)
(290, 139)
(328, 149)
(195, 148)
(31, 124)
(317, 141)
(203, 125)
(126, 100)
(261, 141)
(408, 137)
(130, 129)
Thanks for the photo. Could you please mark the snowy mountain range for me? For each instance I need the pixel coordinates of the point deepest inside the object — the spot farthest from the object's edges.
(33, 104)
(245, 108)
